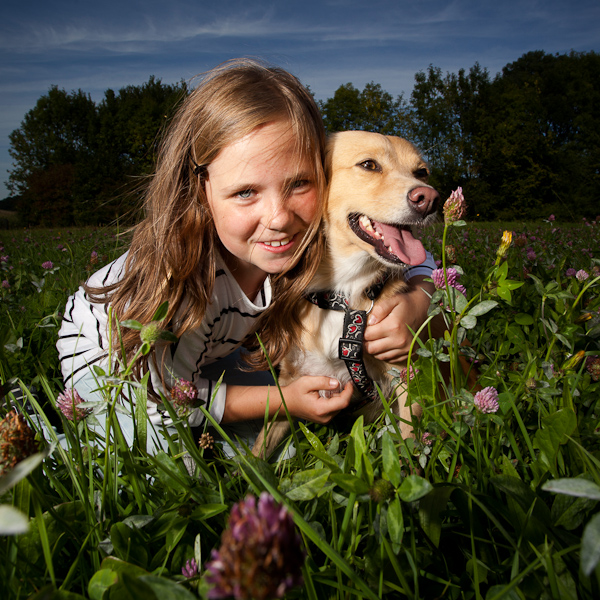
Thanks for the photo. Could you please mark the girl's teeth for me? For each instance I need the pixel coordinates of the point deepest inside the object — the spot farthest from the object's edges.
(279, 243)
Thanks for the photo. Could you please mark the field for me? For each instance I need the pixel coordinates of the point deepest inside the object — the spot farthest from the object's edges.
(496, 497)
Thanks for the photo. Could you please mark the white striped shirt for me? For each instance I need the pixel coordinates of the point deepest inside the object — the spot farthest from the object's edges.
(83, 337)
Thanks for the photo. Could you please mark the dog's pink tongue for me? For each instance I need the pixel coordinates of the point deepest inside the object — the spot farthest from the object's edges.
(402, 243)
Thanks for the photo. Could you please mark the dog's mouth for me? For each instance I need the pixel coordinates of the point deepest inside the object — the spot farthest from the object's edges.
(394, 243)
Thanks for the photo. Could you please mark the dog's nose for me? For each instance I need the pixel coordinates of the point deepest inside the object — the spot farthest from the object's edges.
(424, 200)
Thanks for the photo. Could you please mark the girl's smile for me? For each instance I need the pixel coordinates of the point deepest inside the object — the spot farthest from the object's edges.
(262, 195)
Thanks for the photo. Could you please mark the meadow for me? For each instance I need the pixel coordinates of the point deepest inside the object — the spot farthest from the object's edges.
(495, 497)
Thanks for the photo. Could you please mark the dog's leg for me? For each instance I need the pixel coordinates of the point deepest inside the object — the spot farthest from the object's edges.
(266, 445)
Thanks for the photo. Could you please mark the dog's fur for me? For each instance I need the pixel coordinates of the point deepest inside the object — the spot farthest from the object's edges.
(384, 178)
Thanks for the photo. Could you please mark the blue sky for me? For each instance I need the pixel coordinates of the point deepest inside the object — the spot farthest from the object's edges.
(93, 46)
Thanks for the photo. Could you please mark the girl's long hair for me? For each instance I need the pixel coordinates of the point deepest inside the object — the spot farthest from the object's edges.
(173, 250)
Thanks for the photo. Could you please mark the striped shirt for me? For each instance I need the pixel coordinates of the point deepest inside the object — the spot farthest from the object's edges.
(83, 337)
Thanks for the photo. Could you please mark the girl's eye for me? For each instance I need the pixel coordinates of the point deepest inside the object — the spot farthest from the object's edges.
(245, 194)
(300, 183)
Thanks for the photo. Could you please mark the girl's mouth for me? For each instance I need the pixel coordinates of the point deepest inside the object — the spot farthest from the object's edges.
(278, 243)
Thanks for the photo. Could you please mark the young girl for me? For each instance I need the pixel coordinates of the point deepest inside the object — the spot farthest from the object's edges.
(231, 238)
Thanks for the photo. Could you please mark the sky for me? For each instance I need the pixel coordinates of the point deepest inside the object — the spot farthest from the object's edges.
(94, 46)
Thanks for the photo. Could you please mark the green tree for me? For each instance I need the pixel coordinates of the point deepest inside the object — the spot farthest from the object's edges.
(448, 122)
(543, 154)
(372, 109)
(56, 138)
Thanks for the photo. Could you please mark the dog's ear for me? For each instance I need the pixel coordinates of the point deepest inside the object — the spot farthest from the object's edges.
(329, 154)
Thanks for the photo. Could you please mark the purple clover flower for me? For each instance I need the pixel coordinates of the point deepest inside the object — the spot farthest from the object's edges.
(68, 403)
(261, 554)
(452, 275)
(571, 272)
(455, 207)
(581, 275)
(184, 395)
(190, 569)
(486, 400)
(5, 284)
(47, 265)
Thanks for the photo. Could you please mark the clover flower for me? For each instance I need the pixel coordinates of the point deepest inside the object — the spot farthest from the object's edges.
(592, 364)
(581, 275)
(68, 403)
(190, 569)
(486, 400)
(551, 218)
(452, 276)
(260, 556)
(405, 375)
(47, 265)
(5, 284)
(427, 439)
(184, 395)
(455, 207)
(17, 441)
(531, 255)
(571, 272)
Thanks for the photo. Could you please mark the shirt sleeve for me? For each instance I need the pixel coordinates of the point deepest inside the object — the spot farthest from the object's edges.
(425, 268)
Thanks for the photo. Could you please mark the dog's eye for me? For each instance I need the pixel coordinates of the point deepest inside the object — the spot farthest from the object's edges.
(421, 173)
(370, 165)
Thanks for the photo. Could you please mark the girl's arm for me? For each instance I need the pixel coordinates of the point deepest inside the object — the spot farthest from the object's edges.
(301, 396)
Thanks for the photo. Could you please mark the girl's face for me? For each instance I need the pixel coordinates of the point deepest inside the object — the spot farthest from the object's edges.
(263, 197)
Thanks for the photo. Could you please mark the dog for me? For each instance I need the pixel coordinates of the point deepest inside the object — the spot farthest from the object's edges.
(377, 195)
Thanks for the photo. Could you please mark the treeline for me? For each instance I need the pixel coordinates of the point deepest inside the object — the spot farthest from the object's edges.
(523, 145)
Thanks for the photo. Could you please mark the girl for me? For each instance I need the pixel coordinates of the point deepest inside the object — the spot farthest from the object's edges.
(231, 238)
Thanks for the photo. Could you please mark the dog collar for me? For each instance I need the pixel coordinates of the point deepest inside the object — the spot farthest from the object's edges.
(350, 346)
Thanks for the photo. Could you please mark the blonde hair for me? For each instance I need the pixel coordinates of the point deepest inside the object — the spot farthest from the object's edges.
(173, 250)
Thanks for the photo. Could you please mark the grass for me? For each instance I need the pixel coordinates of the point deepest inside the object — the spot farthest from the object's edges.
(479, 505)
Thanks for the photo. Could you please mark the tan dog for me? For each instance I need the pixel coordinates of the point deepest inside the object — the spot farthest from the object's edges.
(377, 194)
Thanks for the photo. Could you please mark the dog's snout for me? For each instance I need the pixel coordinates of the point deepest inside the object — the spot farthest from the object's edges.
(424, 200)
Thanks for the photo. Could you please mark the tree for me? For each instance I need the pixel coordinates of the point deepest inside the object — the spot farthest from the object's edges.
(81, 161)
(373, 109)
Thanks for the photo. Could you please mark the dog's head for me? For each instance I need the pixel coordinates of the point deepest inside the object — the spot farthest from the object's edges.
(377, 194)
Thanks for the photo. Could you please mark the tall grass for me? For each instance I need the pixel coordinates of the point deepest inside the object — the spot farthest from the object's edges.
(479, 504)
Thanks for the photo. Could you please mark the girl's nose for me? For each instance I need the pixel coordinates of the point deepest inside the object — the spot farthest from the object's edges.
(281, 215)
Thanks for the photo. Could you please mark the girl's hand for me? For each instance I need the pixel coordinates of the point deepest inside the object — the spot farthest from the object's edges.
(304, 401)
(387, 336)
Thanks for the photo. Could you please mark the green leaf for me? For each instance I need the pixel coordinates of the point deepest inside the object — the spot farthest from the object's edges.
(350, 483)
(468, 321)
(131, 324)
(482, 308)
(308, 484)
(524, 319)
(431, 509)
(573, 486)
(168, 336)
(590, 545)
(161, 311)
(414, 488)
(360, 446)
(165, 589)
(12, 520)
(395, 521)
(100, 582)
(554, 431)
(391, 460)
(312, 439)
